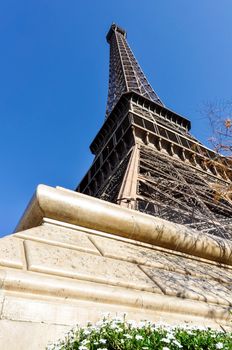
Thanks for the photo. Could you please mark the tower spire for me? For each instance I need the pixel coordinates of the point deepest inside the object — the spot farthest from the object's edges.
(125, 74)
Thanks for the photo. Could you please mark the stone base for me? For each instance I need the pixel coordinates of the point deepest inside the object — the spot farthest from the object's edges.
(74, 258)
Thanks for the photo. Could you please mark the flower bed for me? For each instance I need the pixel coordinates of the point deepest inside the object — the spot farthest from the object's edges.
(119, 334)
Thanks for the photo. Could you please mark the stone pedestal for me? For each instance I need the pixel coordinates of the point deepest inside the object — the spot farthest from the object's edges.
(75, 257)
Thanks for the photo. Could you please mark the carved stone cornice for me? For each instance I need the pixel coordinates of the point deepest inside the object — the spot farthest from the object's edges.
(78, 209)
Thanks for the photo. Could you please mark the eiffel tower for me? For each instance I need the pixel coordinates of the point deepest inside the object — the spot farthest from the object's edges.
(146, 158)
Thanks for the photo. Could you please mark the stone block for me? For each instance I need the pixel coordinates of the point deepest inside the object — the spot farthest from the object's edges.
(189, 287)
(209, 271)
(138, 254)
(71, 263)
(16, 308)
(60, 236)
(11, 252)
(27, 336)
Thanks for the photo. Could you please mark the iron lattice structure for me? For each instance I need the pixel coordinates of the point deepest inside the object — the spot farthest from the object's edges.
(147, 160)
(125, 73)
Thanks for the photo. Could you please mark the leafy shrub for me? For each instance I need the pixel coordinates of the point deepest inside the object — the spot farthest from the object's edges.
(119, 334)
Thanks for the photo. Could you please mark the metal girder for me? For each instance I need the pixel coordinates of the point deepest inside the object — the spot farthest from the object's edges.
(181, 194)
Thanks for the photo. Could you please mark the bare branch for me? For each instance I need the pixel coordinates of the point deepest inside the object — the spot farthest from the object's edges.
(219, 115)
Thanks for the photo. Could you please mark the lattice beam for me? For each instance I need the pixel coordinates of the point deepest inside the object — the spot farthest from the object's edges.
(125, 73)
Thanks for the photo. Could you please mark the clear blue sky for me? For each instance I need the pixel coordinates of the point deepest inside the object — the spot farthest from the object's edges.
(54, 76)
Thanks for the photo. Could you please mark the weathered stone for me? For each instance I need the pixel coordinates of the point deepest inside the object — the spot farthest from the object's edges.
(60, 236)
(70, 263)
(29, 335)
(59, 273)
(189, 287)
(138, 254)
(11, 252)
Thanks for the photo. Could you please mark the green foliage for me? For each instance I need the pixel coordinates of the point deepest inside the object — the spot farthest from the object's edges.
(119, 334)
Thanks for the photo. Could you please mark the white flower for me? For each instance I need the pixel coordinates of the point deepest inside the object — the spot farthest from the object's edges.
(102, 349)
(170, 336)
(86, 332)
(113, 325)
(177, 343)
(119, 319)
(118, 329)
(219, 346)
(128, 336)
(138, 337)
(199, 328)
(161, 324)
(84, 342)
(141, 324)
(82, 347)
(132, 323)
(165, 348)
(56, 347)
(102, 341)
(166, 340)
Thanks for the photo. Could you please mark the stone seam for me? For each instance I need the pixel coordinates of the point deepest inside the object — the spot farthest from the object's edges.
(56, 244)
(127, 240)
